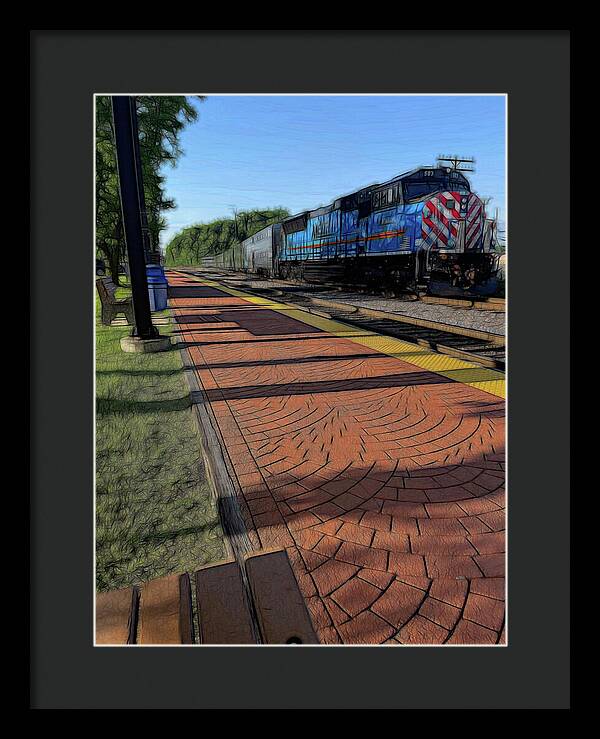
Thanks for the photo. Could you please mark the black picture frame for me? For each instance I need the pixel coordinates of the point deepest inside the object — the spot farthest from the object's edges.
(67, 68)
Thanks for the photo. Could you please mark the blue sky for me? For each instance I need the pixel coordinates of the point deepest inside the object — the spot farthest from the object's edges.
(304, 151)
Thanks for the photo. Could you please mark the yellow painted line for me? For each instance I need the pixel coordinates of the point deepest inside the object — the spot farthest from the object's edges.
(468, 373)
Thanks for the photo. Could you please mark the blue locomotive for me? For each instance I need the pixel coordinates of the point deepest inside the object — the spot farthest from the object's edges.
(424, 226)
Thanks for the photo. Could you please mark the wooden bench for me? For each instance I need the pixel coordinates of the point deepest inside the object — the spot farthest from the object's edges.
(259, 604)
(112, 306)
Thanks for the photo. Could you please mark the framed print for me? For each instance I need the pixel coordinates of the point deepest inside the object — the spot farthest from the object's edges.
(294, 434)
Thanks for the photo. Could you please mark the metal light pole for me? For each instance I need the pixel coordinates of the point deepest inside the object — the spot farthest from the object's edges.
(140, 179)
(132, 204)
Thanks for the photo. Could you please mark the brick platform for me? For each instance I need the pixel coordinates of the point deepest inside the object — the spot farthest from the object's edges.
(383, 481)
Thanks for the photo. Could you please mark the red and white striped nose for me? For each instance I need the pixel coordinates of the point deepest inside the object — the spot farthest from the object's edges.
(474, 222)
(452, 221)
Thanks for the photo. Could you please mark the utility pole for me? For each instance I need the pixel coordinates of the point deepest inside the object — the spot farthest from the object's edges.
(235, 226)
(132, 205)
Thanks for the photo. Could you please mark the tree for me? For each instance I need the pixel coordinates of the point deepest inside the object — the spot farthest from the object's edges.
(203, 239)
(161, 120)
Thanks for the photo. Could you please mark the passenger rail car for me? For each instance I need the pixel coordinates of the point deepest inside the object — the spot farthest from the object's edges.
(260, 250)
(425, 226)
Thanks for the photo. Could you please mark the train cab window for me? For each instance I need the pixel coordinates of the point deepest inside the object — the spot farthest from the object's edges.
(414, 190)
(427, 181)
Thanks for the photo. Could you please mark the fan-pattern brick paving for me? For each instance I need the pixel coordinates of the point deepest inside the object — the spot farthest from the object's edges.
(384, 482)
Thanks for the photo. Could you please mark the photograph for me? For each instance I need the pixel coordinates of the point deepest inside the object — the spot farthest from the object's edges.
(300, 344)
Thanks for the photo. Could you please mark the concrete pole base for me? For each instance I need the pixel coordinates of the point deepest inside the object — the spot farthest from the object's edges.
(145, 346)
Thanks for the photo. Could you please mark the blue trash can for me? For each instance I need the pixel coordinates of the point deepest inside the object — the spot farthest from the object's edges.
(157, 287)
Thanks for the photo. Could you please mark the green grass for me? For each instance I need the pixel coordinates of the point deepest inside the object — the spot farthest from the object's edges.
(154, 513)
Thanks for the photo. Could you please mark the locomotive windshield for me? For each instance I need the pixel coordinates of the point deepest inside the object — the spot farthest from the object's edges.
(427, 181)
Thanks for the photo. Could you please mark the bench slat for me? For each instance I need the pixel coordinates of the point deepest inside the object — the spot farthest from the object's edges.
(165, 611)
(278, 602)
(186, 615)
(223, 613)
(116, 616)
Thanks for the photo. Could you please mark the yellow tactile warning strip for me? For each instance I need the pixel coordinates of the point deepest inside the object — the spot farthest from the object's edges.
(468, 373)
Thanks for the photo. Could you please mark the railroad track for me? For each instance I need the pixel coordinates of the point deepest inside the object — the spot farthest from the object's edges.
(494, 304)
(464, 302)
(481, 347)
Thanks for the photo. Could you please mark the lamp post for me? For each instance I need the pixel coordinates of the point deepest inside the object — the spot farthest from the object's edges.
(144, 336)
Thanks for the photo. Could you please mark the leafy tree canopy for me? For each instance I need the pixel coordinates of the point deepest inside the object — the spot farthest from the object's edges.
(205, 239)
(161, 120)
